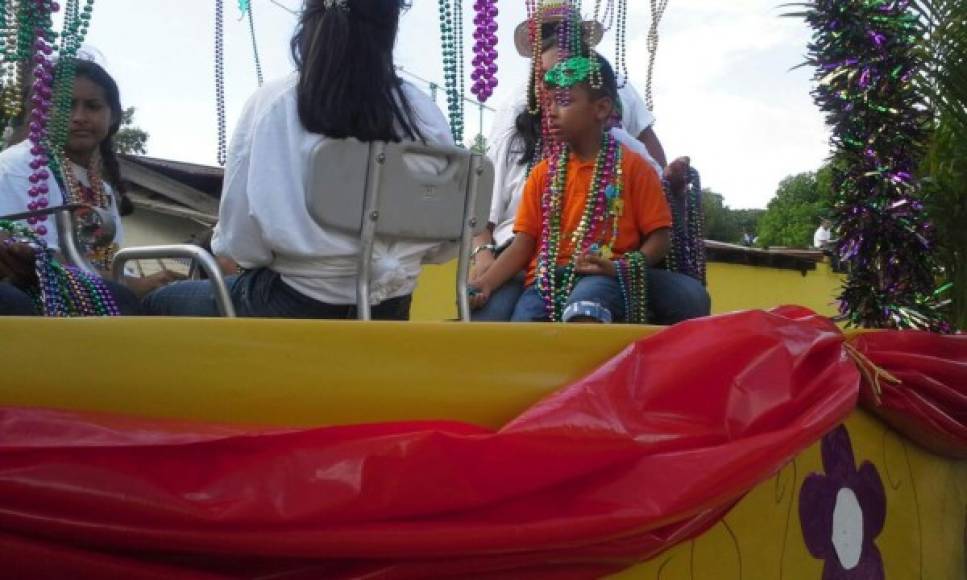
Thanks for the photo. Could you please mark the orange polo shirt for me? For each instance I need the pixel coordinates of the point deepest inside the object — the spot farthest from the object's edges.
(645, 208)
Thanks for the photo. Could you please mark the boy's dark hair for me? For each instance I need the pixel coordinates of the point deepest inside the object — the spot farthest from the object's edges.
(93, 72)
(528, 125)
(348, 86)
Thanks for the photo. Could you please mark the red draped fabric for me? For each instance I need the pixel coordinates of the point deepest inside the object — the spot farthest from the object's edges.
(929, 403)
(651, 449)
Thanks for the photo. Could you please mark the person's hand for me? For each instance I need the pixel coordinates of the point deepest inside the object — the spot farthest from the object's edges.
(144, 286)
(677, 173)
(594, 265)
(479, 293)
(17, 264)
(228, 266)
(481, 263)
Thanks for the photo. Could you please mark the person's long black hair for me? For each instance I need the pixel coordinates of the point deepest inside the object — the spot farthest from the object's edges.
(348, 86)
(109, 159)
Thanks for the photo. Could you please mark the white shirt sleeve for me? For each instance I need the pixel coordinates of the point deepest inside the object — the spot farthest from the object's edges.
(499, 154)
(509, 175)
(238, 235)
(635, 114)
(638, 147)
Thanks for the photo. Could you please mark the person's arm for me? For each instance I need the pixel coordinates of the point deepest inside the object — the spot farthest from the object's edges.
(511, 261)
(655, 248)
(653, 145)
(238, 235)
(646, 200)
(484, 254)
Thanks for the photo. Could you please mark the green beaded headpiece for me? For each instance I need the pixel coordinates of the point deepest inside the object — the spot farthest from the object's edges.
(570, 72)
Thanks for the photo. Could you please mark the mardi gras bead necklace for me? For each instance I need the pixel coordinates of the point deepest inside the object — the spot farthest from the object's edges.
(451, 40)
(94, 194)
(603, 200)
(633, 279)
(686, 254)
(61, 291)
(485, 49)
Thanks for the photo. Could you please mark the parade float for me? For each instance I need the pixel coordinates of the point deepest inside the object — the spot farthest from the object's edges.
(766, 443)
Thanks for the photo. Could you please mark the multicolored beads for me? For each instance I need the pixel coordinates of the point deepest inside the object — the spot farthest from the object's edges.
(603, 201)
(633, 279)
(687, 252)
(61, 291)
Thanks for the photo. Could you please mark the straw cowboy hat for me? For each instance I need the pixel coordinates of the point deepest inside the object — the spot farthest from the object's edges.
(553, 11)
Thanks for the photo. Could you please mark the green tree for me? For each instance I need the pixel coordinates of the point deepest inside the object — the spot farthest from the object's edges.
(480, 144)
(747, 220)
(724, 224)
(794, 213)
(719, 224)
(944, 79)
(131, 139)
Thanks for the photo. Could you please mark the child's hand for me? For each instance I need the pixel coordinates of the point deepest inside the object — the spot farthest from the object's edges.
(677, 173)
(478, 297)
(594, 265)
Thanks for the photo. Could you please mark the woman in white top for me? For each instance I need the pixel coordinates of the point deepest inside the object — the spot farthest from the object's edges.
(346, 87)
(93, 178)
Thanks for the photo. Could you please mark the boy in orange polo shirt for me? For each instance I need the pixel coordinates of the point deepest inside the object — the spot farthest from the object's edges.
(592, 218)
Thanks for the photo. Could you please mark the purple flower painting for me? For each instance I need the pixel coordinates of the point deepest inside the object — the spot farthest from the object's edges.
(842, 512)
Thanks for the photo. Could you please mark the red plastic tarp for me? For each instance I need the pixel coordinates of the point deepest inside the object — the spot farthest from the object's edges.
(650, 449)
(929, 403)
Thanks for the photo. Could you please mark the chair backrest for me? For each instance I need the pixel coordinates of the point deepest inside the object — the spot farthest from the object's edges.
(400, 190)
(421, 191)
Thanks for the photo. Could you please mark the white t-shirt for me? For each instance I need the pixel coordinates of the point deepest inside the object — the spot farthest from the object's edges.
(821, 237)
(263, 221)
(510, 176)
(15, 174)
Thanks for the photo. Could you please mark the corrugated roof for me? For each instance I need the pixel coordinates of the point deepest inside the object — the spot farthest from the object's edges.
(204, 178)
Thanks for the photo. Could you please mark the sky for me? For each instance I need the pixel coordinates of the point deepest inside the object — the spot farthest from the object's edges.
(726, 94)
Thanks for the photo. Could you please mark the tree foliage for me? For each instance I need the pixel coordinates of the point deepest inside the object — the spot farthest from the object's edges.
(724, 224)
(793, 215)
(131, 139)
(945, 170)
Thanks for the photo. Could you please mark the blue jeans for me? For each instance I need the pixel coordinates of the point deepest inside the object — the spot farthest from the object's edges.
(600, 290)
(16, 302)
(672, 298)
(260, 294)
(501, 305)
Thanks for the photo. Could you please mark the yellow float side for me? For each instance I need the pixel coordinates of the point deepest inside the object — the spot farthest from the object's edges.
(298, 373)
(762, 538)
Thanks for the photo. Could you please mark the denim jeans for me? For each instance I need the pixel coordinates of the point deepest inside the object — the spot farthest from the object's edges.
(501, 305)
(600, 290)
(16, 302)
(260, 294)
(672, 298)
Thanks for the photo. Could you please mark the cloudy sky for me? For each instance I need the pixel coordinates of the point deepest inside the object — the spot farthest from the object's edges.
(724, 91)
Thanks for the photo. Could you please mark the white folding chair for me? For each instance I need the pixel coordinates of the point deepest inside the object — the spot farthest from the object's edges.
(400, 201)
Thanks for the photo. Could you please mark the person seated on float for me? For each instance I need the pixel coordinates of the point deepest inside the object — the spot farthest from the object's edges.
(346, 87)
(515, 148)
(592, 219)
(90, 172)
